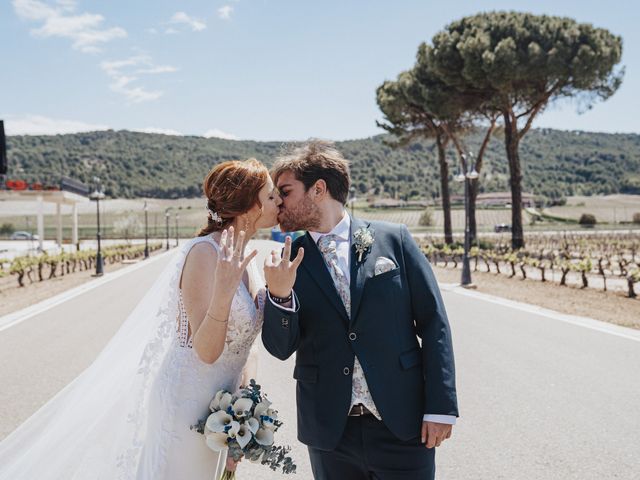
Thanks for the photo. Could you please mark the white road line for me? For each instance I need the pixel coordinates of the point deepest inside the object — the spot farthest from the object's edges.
(13, 319)
(585, 322)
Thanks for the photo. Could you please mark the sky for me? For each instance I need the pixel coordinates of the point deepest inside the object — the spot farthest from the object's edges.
(250, 69)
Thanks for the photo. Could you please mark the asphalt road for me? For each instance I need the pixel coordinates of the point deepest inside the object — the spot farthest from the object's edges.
(540, 398)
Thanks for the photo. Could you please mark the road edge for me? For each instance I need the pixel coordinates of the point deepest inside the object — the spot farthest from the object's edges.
(585, 322)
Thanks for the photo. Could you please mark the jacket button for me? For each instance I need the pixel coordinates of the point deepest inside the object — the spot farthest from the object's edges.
(346, 370)
(352, 336)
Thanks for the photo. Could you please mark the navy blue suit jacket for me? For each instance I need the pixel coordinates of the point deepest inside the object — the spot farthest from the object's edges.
(389, 313)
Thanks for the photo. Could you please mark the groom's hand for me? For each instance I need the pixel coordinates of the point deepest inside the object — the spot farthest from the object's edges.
(280, 271)
(433, 434)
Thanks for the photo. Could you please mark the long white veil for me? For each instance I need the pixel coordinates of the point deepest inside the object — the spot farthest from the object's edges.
(94, 428)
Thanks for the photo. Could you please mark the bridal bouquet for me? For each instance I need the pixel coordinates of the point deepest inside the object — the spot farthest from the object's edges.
(245, 423)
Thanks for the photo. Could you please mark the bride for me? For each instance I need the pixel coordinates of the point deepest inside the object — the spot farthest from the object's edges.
(128, 416)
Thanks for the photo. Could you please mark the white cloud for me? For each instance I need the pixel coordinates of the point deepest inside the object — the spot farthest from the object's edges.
(225, 12)
(124, 72)
(84, 30)
(215, 133)
(29, 124)
(68, 5)
(113, 67)
(182, 18)
(158, 69)
(163, 131)
(33, 10)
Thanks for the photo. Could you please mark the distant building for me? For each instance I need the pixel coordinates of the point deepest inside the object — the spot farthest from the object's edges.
(495, 199)
(503, 199)
(388, 203)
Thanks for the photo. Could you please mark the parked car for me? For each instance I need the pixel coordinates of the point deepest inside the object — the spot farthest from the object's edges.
(280, 236)
(20, 235)
(501, 227)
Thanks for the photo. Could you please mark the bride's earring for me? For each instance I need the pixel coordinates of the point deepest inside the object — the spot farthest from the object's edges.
(246, 223)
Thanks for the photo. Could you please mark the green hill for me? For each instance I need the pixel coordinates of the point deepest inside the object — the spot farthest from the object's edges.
(555, 163)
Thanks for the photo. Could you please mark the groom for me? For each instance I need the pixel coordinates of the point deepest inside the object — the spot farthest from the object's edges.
(373, 401)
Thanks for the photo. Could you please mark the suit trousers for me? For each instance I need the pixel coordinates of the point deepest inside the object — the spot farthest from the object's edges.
(369, 451)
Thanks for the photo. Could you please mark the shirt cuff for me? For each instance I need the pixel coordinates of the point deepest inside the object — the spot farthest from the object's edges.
(448, 419)
(293, 308)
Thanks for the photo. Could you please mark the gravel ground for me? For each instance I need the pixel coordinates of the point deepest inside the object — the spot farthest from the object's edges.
(14, 297)
(612, 307)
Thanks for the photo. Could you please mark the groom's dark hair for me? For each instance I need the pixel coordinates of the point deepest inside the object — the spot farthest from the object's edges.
(317, 160)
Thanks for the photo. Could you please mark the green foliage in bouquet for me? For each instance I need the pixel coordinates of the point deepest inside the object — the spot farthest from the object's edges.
(245, 424)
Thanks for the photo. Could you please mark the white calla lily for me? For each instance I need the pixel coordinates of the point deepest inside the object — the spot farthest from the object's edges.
(225, 401)
(253, 425)
(261, 408)
(218, 421)
(269, 424)
(243, 437)
(215, 403)
(242, 407)
(216, 441)
(233, 429)
(269, 418)
(264, 436)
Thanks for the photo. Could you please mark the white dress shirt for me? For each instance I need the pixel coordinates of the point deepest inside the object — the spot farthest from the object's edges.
(341, 230)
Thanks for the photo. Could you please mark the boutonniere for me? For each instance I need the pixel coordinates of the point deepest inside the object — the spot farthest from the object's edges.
(362, 241)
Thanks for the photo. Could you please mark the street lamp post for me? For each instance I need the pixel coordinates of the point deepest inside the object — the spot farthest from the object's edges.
(166, 217)
(469, 174)
(177, 234)
(97, 195)
(146, 231)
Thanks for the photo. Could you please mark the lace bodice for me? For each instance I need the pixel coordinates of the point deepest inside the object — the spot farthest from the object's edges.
(245, 319)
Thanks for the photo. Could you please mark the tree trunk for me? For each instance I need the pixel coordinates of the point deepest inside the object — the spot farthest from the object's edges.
(511, 141)
(473, 191)
(444, 187)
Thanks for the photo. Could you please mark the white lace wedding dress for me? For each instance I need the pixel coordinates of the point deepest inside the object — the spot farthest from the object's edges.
(128, 415)
(184, 388)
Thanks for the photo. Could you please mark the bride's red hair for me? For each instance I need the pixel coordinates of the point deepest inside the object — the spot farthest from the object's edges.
(231, 189)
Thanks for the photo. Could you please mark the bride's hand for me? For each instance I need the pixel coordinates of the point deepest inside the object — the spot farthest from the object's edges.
(231, 264)
(232, 464)
(280, 271)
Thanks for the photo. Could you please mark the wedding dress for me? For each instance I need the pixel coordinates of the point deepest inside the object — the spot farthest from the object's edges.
(128, 416)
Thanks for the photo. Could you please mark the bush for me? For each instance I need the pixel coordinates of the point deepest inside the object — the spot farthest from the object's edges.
(636, 217)
(7, 229)
(587, 220)
(426, 219)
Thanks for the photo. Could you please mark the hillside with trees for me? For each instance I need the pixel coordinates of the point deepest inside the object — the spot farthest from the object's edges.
(130, 164)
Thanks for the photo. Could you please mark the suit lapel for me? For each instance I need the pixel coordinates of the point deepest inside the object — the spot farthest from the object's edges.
(358, 270)
(314, 264)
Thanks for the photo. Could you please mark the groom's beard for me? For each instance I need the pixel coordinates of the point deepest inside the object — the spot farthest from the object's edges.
(304, 216)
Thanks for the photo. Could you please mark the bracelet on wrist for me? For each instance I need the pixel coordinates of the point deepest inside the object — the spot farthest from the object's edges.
(216, 319)
(281, 300)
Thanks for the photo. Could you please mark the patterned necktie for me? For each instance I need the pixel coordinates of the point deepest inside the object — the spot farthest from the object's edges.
(327, 246)
(359, 389)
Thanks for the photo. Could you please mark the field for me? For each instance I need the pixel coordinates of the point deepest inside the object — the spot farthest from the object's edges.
(607, 261)
(124, 218)
(609, 209)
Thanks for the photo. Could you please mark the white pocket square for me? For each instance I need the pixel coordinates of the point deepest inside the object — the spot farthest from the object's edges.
(383, 264)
